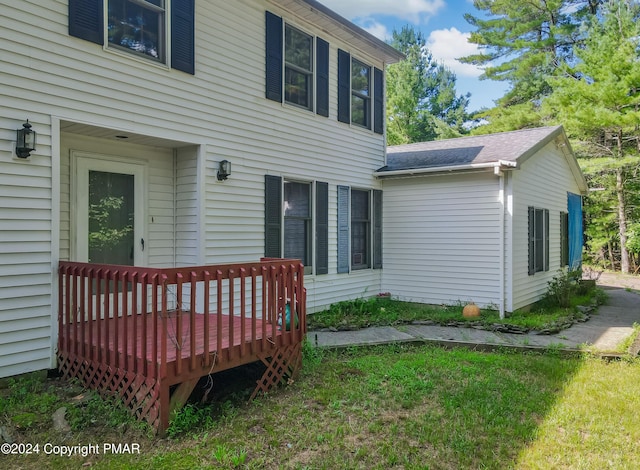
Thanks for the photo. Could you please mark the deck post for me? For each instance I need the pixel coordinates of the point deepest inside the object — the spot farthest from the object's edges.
(181, 394)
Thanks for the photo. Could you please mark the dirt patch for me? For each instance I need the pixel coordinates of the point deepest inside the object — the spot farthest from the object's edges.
(623, 281)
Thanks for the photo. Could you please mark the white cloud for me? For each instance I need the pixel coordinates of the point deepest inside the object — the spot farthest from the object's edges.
(447, 45)
(374, 27)
(415, 11)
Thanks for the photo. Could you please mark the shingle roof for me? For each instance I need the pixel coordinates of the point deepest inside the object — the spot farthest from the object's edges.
(464, 151)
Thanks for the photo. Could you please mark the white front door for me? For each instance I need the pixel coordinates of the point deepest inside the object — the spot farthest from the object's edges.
(109, 211)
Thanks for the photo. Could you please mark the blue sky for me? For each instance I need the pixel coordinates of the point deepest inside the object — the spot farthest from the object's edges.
(441, 22)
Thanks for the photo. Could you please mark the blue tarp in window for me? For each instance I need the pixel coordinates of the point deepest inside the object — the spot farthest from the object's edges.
(574, 204)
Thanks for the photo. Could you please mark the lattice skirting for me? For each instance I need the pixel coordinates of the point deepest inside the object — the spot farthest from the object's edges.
(140, 394)
(283, 363)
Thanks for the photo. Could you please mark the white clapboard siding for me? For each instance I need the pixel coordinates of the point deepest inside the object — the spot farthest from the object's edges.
(61, 83)
(543, 182)
(442, 239)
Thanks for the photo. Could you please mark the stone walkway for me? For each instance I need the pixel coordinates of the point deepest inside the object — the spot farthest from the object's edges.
(603, 332)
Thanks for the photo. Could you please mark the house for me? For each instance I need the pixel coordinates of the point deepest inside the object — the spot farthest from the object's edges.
(180, 133)
(489, 219)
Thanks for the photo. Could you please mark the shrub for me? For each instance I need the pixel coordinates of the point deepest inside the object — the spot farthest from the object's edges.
(562, 287)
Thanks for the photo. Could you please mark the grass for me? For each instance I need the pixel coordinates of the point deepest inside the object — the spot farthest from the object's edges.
(385, 311)
(399, 406)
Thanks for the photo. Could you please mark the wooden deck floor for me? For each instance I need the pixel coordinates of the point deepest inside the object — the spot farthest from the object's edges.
(208, 343)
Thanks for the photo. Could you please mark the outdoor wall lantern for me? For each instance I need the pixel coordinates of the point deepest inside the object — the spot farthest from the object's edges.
(25, 140)
(224, 170)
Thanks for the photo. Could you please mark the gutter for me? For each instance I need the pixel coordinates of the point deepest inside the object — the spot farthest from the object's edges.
(496, 166)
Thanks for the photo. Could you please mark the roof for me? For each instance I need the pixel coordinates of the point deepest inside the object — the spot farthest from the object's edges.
(503, 151)
(338, 26)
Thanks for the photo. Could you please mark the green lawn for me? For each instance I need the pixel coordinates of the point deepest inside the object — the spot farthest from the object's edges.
(397, 406)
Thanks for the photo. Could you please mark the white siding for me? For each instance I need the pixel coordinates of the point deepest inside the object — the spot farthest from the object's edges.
(186, 208)
(442, 239)
(543, 182)
(218, 113)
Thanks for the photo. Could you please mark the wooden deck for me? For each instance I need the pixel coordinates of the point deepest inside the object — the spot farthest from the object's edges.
(148, 335)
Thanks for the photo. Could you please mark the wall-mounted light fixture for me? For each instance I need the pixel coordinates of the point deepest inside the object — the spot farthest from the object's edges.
(25, 140)
(224, 170)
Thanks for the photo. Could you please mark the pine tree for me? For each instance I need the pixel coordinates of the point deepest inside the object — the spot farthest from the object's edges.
(422, 103)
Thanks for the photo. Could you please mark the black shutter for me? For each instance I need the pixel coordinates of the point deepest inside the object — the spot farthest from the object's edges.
(322, 77)
(272, 216)
(182, 36)
(343, 229)
(377, 229)
(344, 86)
(532, 241)
(322, 228)
(378, 101)
(546, 240)
(274, 57)
(86, 20)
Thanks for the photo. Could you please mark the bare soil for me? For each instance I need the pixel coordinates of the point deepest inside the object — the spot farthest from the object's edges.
(624, 281)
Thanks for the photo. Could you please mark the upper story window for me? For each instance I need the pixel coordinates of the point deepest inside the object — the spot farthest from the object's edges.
(138, 26)
(297, 66)
(360, 93)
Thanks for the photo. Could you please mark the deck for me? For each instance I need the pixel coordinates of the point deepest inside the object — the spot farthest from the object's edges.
(148, 335)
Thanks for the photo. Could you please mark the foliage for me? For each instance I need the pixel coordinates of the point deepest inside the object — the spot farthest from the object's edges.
(562, 287)
(31, 400)
(384, 311)
(189, 419)
(229, 458)
(524, 42)
(102, 233)
(422, 103)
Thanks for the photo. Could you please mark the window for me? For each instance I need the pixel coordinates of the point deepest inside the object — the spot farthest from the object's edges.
(139, 27)
(290, 224)
(360, 99)
(360, 93)
(359, 229)
(297, 66)
(538, 240)
(298, 69)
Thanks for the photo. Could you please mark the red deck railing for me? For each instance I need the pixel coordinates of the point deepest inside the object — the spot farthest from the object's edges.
(178, 324)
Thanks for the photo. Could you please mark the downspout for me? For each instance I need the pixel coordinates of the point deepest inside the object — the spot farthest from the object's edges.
(503, 207)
